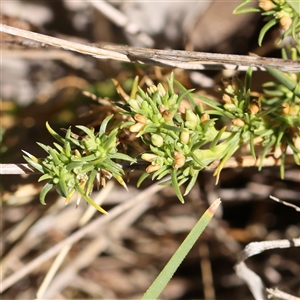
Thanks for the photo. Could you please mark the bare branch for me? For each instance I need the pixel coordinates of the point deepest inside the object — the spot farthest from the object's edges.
(233, 162)
(171, 58)
(297, 208)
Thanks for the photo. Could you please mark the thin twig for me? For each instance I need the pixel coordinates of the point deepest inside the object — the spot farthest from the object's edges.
(253, 281)
(233, 162)
(278, 294)
(190, 60)
(297, 208)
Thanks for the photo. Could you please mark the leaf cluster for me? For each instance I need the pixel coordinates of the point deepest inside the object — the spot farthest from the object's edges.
(74, 164)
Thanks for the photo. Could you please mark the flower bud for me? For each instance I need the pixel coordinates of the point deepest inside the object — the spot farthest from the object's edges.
(295, 110)
(157, 140)
(285, 108)
(173, 99)
(230, 106)
(152, 89)
(285, 22)
(279, 150)
(204, 118)
(266, 5)
(140, 118)
(254, 108)
(167, 115)
(238, 122)
(191, 119)
(150, 157)
(161, 108)
(77, 153)
(296, 141)
(134, 104)
(179, 160)
(161, 89)
(185, 137)
(136, 127)
(152, 168)
(227, 99)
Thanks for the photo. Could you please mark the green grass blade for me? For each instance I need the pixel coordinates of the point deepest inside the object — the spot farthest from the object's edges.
(168, 271)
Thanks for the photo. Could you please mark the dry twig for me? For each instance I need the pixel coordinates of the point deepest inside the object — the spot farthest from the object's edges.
(170, 58)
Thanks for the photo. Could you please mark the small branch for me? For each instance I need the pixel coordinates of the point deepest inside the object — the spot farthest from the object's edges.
(253, 281)
(297, 208)
(278, 294)
(189, 60)
(233, 162)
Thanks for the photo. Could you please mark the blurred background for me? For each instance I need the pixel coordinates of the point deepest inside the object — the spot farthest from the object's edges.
(121, 259)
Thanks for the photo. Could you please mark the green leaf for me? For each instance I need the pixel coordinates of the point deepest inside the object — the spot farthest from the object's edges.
(34, 164)
(54, 134)
(191, 184)
(44, 147)
(90, 183)
(44, 177)
(89, 200)
(122, 156)
(89, 132)
(238, 10)
(295, 5)
(176, 186)
(168, 271)
(285, 80)
(61, 188)
(103, 126)
(47, 187)
(264, 30)
(142, 178)
(67, 143)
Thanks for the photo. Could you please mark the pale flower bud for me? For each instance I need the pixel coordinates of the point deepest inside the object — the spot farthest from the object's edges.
(167, 115)
(295, 110)
(140, 118)
(179, 160)
(157, 140)
(161, 89)
(238, 122)
(266, 5)
(152, 89)
(150, 157)
(285, 22)
(279, 150)
(136, 127)
(296, 141)
(227, 99)
(161, 108)
(185, 137)
(152, 168)
(204, 118)
(285, 108)
(254, 108)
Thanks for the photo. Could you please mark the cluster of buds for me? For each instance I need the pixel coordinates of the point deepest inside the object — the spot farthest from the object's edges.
(75, 165)
(280, 9)
(171, 130)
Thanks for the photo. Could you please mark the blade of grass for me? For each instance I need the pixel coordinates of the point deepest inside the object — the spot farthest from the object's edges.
(168, 271)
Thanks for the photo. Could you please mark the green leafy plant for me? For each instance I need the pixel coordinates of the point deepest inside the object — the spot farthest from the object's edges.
(286, 13)
(74, 165)
(181, 142)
